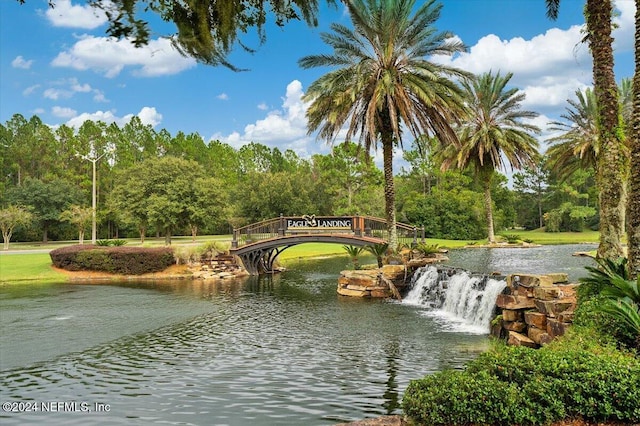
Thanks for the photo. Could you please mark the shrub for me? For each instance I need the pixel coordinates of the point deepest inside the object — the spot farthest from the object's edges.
(117, 260)
(378, 250)
(609, 302)
(512, 238)
(427, 249)
(515, 385)
(211, 249)
(107, 243)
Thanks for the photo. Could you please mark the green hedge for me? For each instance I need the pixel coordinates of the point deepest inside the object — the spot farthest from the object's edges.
(531, 387)
(116, 260)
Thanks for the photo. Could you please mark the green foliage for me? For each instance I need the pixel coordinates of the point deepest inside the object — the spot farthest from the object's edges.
(517, 385)
(427, 249)
(116, 260)
(609, 302)
(456, 215)
(512, 238)
(600, 277)
(111, 243)
(379, 251)
(568, 217)
(10, 218)
(46, 200)
(354, 252)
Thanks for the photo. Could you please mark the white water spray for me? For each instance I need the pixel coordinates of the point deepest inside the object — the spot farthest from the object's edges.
(465, 301)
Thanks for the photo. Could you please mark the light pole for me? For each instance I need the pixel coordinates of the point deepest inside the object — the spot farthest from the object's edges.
(93, 160)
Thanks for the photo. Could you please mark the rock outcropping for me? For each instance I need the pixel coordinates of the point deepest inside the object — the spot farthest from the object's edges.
(534, 309)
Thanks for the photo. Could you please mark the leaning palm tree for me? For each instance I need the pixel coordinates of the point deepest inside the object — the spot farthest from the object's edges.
(492, 133)
(383, 82)
(577, 146)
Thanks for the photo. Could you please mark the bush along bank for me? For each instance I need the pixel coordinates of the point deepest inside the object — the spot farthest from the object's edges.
(569, 378)
(115, 260)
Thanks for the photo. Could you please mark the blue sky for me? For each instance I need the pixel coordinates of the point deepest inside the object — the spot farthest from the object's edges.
(58, 64)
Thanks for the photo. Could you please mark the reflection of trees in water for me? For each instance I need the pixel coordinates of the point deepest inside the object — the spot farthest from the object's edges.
(391, 395)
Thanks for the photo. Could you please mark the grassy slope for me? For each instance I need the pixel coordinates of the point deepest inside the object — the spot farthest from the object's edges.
(37, 266)
(28, 267)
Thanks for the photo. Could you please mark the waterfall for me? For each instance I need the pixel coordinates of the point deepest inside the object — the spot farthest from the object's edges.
(464, 301)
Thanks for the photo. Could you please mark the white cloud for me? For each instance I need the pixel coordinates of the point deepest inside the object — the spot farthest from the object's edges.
(20, 62)
(55, 94)
(285, 128)
(76, 87)
(29, 90)
(625, 25)
(64, 89)
(98, 96)
(263, 106)
(109, 56)
(63, 112)
(549, 67)
(65, 14)
(147, 115)
(223, 97)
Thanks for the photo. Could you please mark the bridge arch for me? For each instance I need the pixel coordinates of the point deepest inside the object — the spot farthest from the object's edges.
(258, 245)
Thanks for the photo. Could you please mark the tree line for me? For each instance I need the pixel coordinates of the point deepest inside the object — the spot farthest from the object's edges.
(152, 183)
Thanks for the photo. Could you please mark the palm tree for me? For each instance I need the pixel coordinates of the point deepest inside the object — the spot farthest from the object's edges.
(383, 83)
(577, 147)
(492, 133)
(354, 252)
(633, 201)
(378, 250)
(613, 165)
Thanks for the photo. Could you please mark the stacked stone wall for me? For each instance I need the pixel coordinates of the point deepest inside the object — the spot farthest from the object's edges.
(534, 309)
(372, 282)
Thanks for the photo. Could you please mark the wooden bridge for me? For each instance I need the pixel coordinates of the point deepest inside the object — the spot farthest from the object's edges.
(259, 244)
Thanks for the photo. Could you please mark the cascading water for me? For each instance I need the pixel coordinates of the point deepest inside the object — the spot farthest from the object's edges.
(465, 301)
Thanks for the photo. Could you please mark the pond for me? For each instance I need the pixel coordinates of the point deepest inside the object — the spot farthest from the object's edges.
(273, 350)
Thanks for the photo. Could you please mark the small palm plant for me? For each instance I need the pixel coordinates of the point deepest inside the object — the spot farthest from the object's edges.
(379, 251)
(427, 249)
(354, 252)
(623, 302)
(621, 294)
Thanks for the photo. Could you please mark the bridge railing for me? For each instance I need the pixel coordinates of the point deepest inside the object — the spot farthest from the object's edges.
(407, 234)
(354, 225)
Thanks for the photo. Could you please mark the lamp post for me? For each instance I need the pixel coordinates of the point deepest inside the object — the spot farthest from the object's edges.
(93, 160)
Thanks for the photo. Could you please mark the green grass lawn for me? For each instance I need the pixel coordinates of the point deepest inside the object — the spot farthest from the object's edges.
(549, 238)
(20, 267)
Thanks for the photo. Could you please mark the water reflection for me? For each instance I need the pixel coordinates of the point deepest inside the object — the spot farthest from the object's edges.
(535, 260)
(283, 349)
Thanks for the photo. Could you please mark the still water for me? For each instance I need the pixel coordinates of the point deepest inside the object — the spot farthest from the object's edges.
(282, 350)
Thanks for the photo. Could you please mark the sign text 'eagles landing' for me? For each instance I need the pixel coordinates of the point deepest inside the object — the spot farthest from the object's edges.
(310, 221)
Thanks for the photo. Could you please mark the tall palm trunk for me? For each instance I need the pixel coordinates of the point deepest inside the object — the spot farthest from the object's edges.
(389, 189)
(612, 167)
(488, 205)
(633, 203)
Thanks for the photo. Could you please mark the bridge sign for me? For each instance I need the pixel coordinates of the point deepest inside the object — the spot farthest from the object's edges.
(307, 222)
